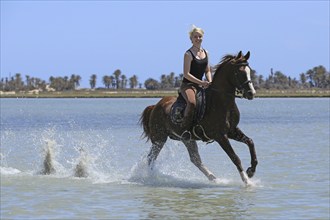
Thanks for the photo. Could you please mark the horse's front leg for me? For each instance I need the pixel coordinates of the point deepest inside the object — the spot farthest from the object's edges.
(196, 159)
(238, 135)
(226, 146)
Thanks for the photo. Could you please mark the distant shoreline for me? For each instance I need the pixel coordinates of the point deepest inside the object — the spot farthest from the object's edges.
(141, 93)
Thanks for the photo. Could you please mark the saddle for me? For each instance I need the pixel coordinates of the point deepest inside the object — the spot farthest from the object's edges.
(178, 108)
(177, 114)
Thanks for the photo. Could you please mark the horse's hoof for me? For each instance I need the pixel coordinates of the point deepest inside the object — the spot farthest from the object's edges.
(250, 172)
(211, 177)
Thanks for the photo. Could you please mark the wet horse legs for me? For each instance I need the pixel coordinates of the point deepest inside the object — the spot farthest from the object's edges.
(196, 159)
(238, 135)
(154, 152)
(226, 146)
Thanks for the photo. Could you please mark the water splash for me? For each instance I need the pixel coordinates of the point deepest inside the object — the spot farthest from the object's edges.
(4, 169)
(8, 171)
(97, 158)
(81, 168)
(48, 163)
(141, 173)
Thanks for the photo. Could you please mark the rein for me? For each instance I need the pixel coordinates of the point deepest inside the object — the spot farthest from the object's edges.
(237, 91)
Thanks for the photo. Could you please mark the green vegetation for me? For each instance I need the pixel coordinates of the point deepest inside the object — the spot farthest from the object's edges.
(314, 83)
(143, 93)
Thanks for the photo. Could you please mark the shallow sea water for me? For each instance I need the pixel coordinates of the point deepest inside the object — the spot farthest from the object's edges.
(292, 179)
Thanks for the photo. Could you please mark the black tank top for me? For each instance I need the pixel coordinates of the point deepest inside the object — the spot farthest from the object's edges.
(197, 67)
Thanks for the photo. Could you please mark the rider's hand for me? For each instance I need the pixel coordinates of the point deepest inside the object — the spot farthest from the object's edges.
(205, 84)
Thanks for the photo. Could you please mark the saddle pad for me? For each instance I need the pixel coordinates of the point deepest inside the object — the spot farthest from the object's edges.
(178, 107)
(177, 110)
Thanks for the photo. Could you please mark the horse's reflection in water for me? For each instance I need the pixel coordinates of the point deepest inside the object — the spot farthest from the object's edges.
(220, 119)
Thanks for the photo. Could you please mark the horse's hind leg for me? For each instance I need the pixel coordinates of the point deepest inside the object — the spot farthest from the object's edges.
(154, 151)
(238, 135)
(196, 159)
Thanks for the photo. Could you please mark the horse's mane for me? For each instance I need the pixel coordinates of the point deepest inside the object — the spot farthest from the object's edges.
(225, 59)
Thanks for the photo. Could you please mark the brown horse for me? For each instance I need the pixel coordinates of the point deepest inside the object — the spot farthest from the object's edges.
(220, 119)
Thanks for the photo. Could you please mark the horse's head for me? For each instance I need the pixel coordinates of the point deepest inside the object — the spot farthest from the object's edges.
(242, 75)
(237, 73)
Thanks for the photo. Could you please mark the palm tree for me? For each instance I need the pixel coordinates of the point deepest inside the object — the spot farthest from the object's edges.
(133, 82)
(113, 81)
(66, 83)
(107, 81)
(177, 81)
(117, 73)
(28, 82)
(92, 81)
(74, 81)
(77, 81)
(163, 81)
(303, 80)
(123, 81)
(2, 84)
(51, 79)
(18, 82)
(171, 79)
(151, 84)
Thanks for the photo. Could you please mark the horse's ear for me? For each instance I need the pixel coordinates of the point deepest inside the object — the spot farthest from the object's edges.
(239, 55)
(247, 55)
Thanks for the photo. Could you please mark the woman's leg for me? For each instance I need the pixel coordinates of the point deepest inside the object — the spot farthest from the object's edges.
(189, 96)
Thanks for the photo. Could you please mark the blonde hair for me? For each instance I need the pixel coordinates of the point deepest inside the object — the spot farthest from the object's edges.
(197, 30)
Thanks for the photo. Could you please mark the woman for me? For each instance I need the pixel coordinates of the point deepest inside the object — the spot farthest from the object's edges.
(195, 66)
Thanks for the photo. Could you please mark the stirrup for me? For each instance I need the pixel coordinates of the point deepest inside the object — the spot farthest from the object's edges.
(186, 136)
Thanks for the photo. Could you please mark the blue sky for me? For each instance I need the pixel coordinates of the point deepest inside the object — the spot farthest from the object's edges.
(149, 38)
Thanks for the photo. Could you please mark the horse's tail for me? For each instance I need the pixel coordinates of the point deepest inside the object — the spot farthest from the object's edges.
(144, 121)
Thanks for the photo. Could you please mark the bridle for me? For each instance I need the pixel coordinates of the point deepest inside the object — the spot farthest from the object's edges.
(241, 85)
